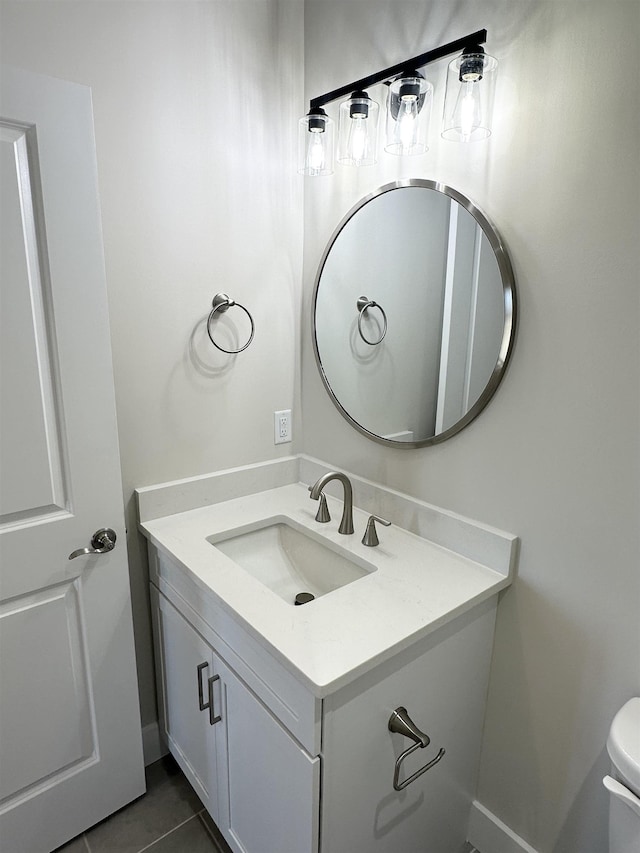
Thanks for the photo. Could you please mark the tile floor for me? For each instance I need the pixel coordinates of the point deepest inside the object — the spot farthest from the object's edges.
(169, 818)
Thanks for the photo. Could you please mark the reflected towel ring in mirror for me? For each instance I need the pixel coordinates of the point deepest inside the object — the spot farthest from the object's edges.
(363, 303)
(222, 302)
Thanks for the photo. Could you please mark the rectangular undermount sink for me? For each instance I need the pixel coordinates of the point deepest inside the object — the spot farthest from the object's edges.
(289, 559)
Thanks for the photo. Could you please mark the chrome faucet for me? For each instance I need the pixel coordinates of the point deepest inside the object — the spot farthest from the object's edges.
(346, 523)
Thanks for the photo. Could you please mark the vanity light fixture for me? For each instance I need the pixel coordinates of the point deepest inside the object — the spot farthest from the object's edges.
(468, 102)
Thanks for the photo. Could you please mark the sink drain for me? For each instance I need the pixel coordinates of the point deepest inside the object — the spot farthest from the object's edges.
(304, 597)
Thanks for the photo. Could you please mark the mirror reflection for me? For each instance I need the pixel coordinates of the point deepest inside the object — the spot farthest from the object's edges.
(413, 313)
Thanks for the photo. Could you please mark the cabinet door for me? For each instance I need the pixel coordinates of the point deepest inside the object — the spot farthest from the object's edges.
(186, 672)
(273, 785)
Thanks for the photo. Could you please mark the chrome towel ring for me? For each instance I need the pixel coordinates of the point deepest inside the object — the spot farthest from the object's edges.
(222, 302)
(401, 722)
(363, 303)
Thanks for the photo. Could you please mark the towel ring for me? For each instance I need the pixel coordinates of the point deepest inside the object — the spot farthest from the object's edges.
(363, 303)
(401, 722)
(222, 302)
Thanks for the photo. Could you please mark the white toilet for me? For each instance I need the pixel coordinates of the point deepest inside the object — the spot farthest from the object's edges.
(623, 746)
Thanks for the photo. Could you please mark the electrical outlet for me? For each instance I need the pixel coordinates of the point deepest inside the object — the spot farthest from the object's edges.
(282, 426)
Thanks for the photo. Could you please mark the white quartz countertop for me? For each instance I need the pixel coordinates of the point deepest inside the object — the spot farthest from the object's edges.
(417, 586)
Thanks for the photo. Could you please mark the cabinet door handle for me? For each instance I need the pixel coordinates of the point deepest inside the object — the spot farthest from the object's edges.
(203, 705)
(212, 714)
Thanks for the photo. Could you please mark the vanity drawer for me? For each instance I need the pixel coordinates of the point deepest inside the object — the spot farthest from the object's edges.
(279, 690)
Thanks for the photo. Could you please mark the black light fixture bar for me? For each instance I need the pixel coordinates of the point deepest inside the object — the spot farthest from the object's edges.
(389, 74)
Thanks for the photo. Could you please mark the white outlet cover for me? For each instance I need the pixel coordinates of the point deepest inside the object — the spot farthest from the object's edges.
(282, 430)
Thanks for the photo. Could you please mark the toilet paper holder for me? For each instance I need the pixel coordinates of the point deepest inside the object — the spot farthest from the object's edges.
(401, 723)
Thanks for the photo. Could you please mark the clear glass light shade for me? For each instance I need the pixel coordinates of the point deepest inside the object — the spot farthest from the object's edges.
(358, 132)
(315, 145)
(468, 102)
(408, 112)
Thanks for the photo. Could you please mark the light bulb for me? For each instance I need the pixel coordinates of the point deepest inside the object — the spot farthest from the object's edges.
(357, 144)
(468, 112)
(407, 119)
(468, 102)
(358, 130)
(315, 156)
(315, 143)
(408, 110)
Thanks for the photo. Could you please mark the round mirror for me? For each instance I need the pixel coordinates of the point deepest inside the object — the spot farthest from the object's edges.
(413, 313)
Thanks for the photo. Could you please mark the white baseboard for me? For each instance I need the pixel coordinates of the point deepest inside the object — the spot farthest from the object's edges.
(490, 835)
(153, 746)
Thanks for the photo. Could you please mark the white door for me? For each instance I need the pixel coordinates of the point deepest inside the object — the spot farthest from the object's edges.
(70, 739)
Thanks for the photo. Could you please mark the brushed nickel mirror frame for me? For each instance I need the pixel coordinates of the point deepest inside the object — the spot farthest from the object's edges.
(509, 303)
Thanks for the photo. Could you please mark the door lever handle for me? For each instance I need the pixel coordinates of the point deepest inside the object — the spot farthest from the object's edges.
(102, 541)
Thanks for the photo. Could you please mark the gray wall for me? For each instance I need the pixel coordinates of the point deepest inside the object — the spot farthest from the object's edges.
(191, 206)
(554, 458)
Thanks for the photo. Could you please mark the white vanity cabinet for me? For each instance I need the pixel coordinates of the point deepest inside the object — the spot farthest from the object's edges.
(442, 682)
(302, 759)
(186, 671)
(259, 785)
(285, 770)
(271, 785)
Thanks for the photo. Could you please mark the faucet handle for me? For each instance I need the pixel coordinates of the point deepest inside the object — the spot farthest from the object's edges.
(370, 537)
(323, 510)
